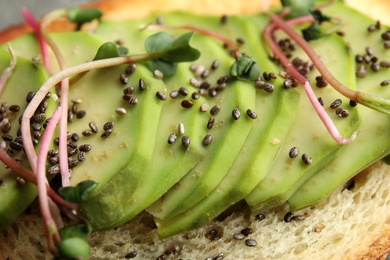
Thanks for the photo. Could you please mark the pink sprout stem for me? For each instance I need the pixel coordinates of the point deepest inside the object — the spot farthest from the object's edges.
(4, 76)
(323, 115)
(64, 94)
(28, 16)
(317, 62)
(50, 224)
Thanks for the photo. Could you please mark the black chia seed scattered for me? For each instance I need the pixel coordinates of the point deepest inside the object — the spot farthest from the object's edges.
(293, 152)
(187, 103)
(172, 138)
(288, 217)
(250, 242)
(321, 101)
(385, 83)
(352, 103)
(185, 140)
(195, 95)
(236, 114)
(123, 78)
(252, 114)
(141, 84)
(93, 127)
(161, 95)
(260, 217)
(215, 65)
(81, 113)
(131, 69)
(246, 231)
(307, 159)
(336, 103)
(238, 236)
(210, 123)
(340, 112)
(85, 147)
(14, 108)
(215, 110)
(174, 94)
(207, 139)
(183, 91)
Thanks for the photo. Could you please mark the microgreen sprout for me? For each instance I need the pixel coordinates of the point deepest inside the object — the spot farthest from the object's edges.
(51, 227)
(231, 45)
(327, 121)
(376, 103)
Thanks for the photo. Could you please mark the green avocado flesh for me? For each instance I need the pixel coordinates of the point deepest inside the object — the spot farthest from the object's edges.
(186, 185)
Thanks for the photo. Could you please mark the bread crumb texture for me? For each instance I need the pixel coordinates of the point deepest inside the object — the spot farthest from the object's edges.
(345, 226)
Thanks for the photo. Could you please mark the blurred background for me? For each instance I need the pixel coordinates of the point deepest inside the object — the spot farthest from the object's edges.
(11, 9)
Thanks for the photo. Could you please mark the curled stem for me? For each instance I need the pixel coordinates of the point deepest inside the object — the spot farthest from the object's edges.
(50, 224)
(327, 121)
(376, 103)
(4, 76)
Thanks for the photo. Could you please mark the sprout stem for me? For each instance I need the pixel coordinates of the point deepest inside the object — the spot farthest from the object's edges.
(376, 103)
(50, 224)
(64, 166)
(327, 121)
(36, 27)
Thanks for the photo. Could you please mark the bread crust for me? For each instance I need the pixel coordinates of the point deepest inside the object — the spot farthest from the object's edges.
(124, 9)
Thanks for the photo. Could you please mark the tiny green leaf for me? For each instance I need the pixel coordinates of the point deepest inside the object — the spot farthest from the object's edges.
(180, 49)
(245, 68)
(78, 193)
(80, 16)
(170, 51)
(73, 248)
(158, 42)
(107, 50)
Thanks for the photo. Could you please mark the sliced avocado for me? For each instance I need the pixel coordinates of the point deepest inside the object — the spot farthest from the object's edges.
(228, 135)
(308, 134)
(372, 142)
(259, 149)
(14, 196)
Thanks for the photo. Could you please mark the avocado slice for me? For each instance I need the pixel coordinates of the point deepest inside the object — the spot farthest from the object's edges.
(308, 133)
(259, 149)
(372, 143)
(16, 197)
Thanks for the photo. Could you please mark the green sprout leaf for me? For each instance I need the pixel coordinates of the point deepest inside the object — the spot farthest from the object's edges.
(180, 50)
(314, 31)
(78, 193)
(107, 50)
(72, 248)
(80, 16)
(170, 51)
(76, 230)
(245, 68)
